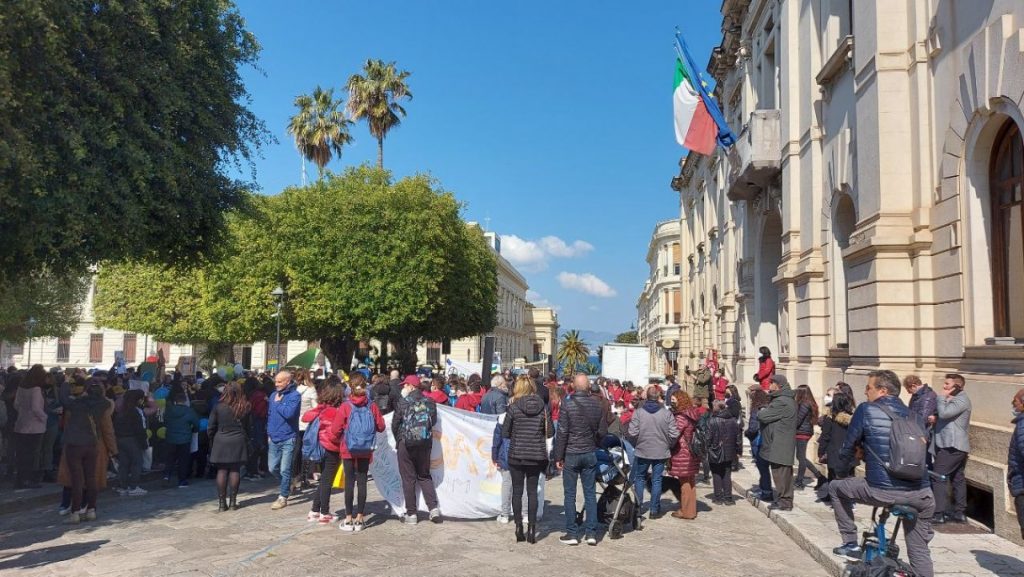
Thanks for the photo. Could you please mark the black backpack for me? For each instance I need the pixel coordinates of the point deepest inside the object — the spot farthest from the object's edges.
(908, 447)
(699, 443)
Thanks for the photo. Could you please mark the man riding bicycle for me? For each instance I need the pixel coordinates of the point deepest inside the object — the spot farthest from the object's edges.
(870, 430)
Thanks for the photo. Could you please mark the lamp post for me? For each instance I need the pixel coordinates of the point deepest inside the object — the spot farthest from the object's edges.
(278, 294)
(31, 326)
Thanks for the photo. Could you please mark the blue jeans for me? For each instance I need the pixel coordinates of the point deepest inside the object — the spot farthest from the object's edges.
(639, 481)
(280, 457)
(764, 483)
(582, 466)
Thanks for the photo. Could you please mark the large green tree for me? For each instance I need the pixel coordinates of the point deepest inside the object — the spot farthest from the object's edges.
(54, 302)
(358, 256)
(319, 128)
(121, 124)
(373, 96)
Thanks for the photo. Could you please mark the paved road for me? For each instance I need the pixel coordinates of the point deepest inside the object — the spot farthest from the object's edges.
(179, 532)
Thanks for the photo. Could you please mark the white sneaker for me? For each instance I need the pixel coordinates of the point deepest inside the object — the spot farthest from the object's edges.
(312, 516)
(280, 503)
(346, 526)
(121, 492)
(411, 519)
(64, 511)
(435, 515)
(357, 526)
(137, 492)
(90, 515)
(503, 519)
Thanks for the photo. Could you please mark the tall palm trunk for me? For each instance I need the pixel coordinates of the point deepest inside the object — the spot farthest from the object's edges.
(380, 153)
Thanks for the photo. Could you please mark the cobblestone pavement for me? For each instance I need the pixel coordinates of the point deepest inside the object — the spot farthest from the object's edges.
(179, 532)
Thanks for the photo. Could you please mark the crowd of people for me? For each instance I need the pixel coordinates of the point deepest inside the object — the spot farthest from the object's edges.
(315, 432)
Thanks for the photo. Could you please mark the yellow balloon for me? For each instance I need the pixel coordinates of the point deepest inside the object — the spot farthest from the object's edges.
(149, 433)
(161, 403)
(161, 433)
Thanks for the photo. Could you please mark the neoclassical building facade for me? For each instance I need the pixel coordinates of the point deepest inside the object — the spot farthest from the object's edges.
(870, 214)
(659, 308)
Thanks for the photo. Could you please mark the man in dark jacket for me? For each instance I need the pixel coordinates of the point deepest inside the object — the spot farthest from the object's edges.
(581, 426)
(412, 426)
(869, 429)
(495, 402)
(778, 439)
(1015, 459)
(394, 389)
(923, 400)
(538, 381)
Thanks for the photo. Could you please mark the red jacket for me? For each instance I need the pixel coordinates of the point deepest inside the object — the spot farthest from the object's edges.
(626, 416)
(683, 463)
(340, 423)
(720, 384)
(616, 393)
(258, 400)
(327, 416)
(764, 373)
(437, 396)
(469, 402)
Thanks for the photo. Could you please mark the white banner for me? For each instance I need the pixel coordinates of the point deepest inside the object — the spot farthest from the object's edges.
(467, 482)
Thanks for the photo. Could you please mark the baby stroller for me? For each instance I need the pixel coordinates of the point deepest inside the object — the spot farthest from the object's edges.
(617, 505)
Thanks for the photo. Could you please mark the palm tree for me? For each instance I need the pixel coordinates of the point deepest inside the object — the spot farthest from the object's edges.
(320, 128)
(572, 352)
(374, 95)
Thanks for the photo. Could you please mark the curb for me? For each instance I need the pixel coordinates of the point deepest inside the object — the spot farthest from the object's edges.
(834, 566)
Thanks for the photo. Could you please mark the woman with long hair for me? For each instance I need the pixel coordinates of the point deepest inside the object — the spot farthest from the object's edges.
(353, 419)
(847, 390)
(229, 442)
(331, 395)
(833, 435)
(759, 400)
(88, 444)
(527, 426)
(806, 417)
(29, 427)
(735, 405)
(765, 369)
(684, 464)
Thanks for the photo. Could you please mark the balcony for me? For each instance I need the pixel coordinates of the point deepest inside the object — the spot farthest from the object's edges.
(755, 158)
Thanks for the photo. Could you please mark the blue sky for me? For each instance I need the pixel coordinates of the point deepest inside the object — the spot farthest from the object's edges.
(551, 121)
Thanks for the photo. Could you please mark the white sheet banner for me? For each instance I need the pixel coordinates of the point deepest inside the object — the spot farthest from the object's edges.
(467, 482)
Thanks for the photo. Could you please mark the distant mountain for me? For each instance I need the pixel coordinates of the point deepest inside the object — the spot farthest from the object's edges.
(593, 339)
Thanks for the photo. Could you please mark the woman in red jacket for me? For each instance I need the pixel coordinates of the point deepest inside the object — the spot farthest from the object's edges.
(357, 465)
(331, 395)
(683, 464)
(765, 369)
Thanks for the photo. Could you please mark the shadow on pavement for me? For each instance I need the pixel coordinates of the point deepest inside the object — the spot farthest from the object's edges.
(1002, 565)
(47, 555)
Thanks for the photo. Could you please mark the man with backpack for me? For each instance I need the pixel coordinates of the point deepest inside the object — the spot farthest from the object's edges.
(894, 442)
(413, 428)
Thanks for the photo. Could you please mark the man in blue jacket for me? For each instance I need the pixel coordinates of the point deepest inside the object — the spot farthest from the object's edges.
(869, 429)
(283, 428)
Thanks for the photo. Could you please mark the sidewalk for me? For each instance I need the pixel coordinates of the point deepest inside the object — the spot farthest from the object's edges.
(957, 550)
(49, 494)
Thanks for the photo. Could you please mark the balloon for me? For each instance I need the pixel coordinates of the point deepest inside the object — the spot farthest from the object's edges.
(161, 403)
(204, 424)
(239, 369)
(229, 373)
(161, 433)
(161, 393)
(149, 433)
(222, 372)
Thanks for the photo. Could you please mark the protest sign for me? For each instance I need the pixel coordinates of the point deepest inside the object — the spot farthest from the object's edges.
(468, 484)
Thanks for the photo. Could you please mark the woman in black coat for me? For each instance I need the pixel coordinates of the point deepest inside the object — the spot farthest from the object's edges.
(229, 442)
(723, 442)
(833, 435)
(527, 426)
(735, 406)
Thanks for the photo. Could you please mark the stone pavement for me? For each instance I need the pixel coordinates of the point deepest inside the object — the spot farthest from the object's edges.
(179, 532)
(957, 550)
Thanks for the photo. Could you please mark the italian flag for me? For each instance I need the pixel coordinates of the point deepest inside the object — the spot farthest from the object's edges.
(695, 129)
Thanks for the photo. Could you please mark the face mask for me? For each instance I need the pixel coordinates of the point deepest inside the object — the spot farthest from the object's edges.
(828, 399)
(405, 392)
(1016, 413)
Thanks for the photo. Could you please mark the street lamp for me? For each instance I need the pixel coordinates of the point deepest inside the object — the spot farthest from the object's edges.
(278, 295)
(32, 322)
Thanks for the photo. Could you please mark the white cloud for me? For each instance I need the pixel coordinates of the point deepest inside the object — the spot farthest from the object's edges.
(539, 301)
(585, 283)
(558, 247)
(533, 255)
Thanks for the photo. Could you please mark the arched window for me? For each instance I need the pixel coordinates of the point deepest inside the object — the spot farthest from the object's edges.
(1007, 193)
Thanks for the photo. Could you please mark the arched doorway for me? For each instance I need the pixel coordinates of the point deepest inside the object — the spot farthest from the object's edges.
(1006, 189)
(767, 295)
(844, 221)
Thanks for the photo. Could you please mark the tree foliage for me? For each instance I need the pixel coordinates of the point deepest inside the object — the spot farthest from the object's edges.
(54, 301)
(358, 256)
(119, 122)
(573, 353)
(373, 96)
(628, 337)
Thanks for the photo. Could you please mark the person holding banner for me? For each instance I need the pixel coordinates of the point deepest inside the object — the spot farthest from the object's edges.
(527, 426)
(412, 427)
